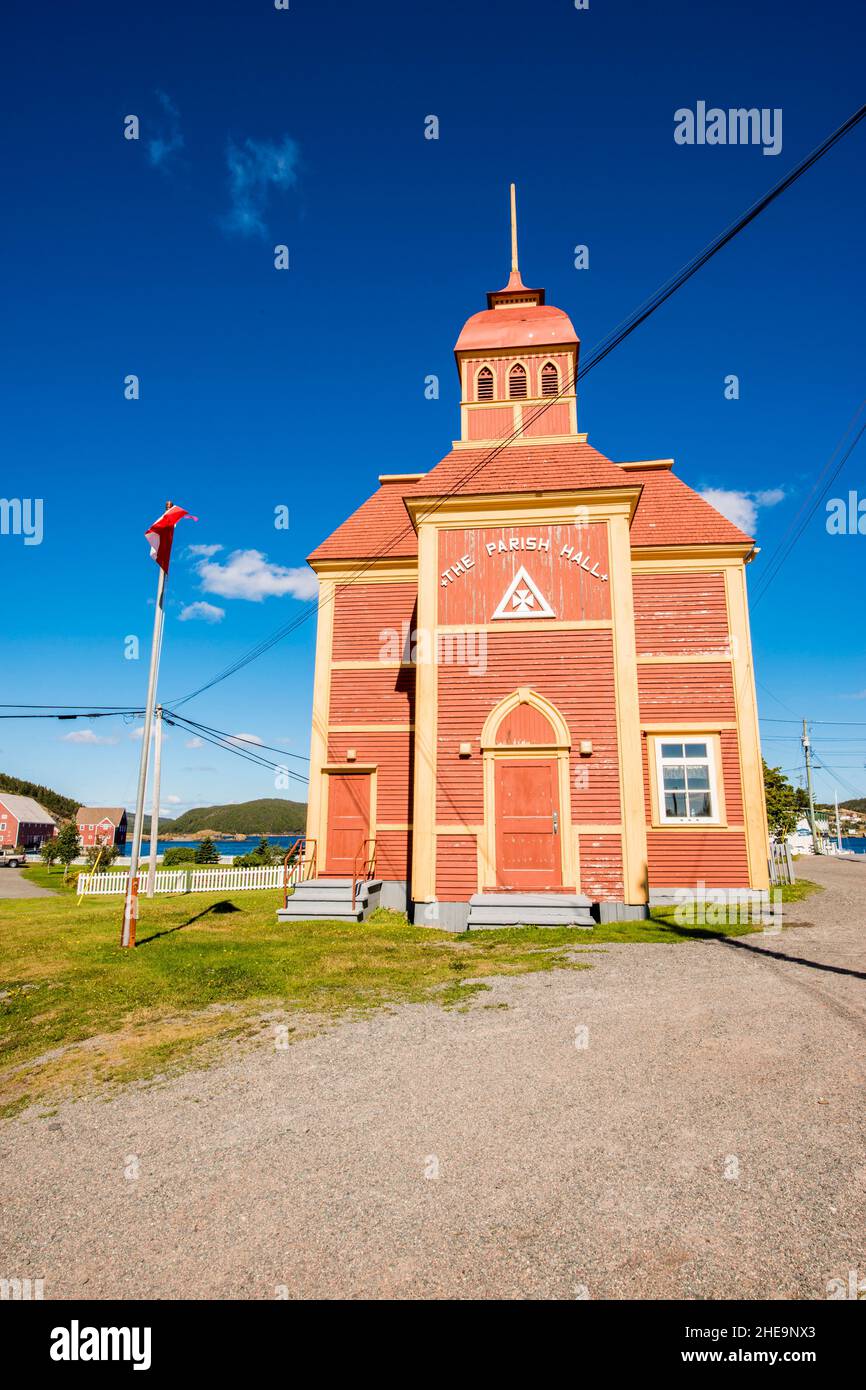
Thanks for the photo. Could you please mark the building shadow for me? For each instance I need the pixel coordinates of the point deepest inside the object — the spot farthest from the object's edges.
(707, 934)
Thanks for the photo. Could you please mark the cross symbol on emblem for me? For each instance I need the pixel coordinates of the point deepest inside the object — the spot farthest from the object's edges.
(522, 600)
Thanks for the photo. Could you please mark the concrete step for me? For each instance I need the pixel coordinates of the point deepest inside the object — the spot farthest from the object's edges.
(331, 894)
(529, 917)
(530, 899)
(330, 900)
(308, 912)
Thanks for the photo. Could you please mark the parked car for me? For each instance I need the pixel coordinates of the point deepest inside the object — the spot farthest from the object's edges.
(12, 856)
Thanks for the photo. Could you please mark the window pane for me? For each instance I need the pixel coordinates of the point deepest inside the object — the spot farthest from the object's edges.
(675, 804)
(672, 750)
(699, 804)
(699, 776)
(696, 750)
(674, 775)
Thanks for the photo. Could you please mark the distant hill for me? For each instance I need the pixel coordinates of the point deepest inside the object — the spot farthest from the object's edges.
(60, 806)
(271, 814)
(857, 804)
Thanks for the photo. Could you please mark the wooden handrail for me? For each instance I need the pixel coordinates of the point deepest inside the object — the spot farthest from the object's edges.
(367, 864)
(301, 861)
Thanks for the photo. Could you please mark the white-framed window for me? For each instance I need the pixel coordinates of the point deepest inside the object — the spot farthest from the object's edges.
(686, 780)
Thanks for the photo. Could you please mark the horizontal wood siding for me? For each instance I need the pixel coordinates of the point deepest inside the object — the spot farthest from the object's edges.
(369, 618)
(393, 848)
(680, 614)
(704, 690)
(574, 594)
(680, 858)
(392, 755)
(574, 672)
(554, 420)
(385, 696)
(456, 867)
(490, 422)
(601, 867)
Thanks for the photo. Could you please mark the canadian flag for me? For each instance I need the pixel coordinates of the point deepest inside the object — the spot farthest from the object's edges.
(161, 534)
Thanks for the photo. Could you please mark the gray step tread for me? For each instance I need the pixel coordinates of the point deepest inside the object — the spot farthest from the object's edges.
(286, 915)
(330, 892)
(339, 882)
(533, 916)
(519, 899)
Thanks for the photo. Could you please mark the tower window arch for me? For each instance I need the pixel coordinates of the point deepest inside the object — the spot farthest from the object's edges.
(549, 379)
(517, 382)
(484, 384)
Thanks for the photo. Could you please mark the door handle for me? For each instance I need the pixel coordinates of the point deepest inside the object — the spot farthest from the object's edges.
(556, 822)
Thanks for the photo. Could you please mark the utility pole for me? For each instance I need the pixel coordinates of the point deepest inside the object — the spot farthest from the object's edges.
(154, 813)
(807, 751)
(838, 826)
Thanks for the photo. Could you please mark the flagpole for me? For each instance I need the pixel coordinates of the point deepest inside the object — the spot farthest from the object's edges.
(130, 910)
(154, 791)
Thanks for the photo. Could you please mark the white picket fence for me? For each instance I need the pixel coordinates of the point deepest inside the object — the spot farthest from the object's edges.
(210, 879)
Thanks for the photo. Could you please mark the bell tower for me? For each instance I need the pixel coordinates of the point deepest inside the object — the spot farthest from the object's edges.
(517, 361)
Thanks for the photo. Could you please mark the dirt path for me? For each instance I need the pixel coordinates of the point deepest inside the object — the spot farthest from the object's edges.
(707, 1142)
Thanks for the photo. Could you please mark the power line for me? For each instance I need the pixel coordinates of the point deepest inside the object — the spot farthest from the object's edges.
(815, 497)
(239, 752)
(617, 336)
(236, 738)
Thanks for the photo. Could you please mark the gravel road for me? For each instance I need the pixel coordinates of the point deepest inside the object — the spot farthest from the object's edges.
(707, 1142)
(13, 884)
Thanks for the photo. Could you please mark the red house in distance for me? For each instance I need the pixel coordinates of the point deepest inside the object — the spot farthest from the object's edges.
(24, 822)
(101, 825)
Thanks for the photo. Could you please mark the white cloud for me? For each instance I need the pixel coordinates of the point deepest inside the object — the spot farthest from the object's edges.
(203, 612)
(139, 732)
(742, 507)
(244, 738)
(167, 138)
(174, 801)
(86, 736)
(194, 742)
(256, 168)
(205, 551)
(248, 574)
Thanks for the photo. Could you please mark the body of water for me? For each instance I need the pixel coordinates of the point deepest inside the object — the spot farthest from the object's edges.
(857, 843)
(223, 847)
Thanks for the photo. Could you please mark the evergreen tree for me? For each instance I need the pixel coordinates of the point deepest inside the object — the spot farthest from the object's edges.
(207, 852)
(263, 852)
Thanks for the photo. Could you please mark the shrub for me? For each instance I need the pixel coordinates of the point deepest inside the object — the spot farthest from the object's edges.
(262, 854)
(106, 854)
(181, 854)
(68, 845)
(48, 851)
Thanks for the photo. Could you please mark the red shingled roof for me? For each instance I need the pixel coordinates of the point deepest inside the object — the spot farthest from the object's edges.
(521, 468)
(380, 526)
(670, 513)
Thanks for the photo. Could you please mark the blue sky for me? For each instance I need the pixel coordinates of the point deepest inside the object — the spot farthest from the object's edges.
(261, 389)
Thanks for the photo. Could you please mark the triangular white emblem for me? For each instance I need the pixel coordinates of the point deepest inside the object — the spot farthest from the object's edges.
(523, 599)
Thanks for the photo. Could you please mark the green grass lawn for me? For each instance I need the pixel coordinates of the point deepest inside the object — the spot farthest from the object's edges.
(76, 1010)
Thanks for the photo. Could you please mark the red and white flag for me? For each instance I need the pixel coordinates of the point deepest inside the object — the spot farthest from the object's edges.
(161, 534)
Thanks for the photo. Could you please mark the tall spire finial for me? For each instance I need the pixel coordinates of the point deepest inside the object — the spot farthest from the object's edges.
(514, 265)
